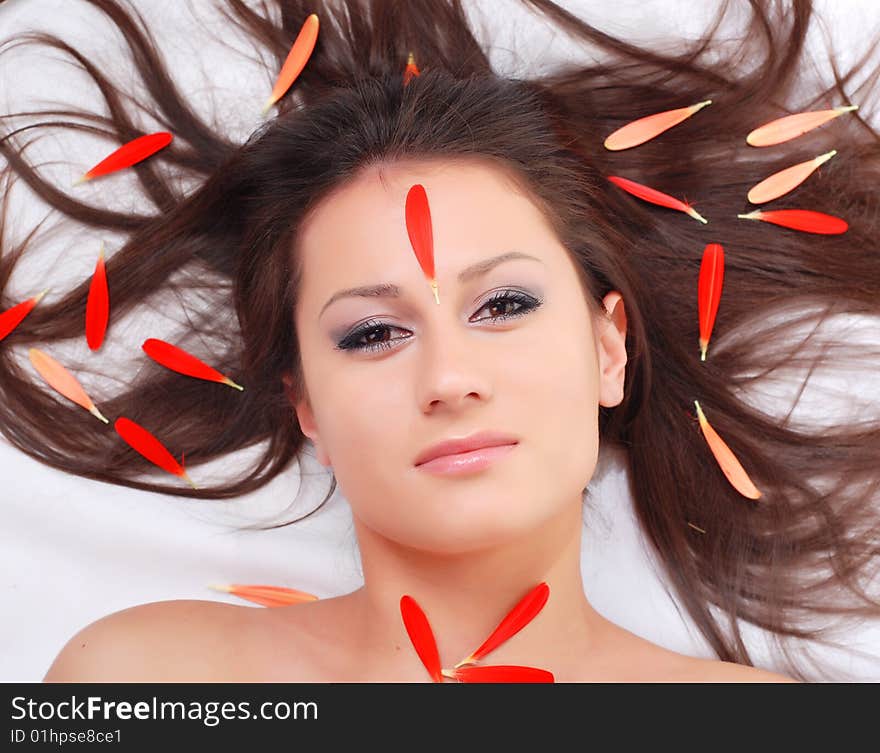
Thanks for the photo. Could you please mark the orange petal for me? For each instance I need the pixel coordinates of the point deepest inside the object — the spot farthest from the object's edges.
(299, 54)
(644, 129)
(500, 673)
(97, 305)
(727, 460)
(792, 126)
(61, 380)
(786, 180)
(12, 317)
(709, 291)
(268, 596)
(129, 154)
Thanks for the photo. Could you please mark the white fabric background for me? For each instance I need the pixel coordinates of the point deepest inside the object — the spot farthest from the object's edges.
(73, 550)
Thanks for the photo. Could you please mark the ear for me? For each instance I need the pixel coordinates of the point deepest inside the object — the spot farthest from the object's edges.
(306, 419)
(611, 350)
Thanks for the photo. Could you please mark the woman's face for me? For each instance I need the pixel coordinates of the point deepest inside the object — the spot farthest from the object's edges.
(450, 370)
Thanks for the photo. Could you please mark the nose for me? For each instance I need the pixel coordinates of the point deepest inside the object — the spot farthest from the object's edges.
(453, 368)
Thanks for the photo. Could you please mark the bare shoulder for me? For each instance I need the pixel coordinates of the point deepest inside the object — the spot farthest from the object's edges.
(637, 659)
(711, 670)
(183, 640)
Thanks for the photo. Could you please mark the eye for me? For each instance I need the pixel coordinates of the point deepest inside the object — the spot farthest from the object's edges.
(503, 300)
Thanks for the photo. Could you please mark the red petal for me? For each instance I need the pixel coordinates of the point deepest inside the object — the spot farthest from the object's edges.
(800, 219)
(151, 448)
(709, 291)
(654, 196)
(421, 236)
(98, 305)
(182, 362)
(12, 317)
(129, 154)
(411, 69)
(515, 620)
(419, 630)
(502, 673)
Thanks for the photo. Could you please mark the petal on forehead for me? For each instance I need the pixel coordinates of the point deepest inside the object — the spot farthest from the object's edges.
(421, 236)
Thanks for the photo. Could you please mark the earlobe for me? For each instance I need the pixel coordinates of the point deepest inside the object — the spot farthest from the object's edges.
(307, 423)
(306, 418)
(611, 350)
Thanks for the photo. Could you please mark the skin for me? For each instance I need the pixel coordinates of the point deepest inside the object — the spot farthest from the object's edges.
(466, 548)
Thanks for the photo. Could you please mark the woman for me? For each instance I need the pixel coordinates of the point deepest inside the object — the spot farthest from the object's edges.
(565, 318)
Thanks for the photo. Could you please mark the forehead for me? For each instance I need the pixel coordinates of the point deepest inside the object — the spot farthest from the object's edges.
(358, 233)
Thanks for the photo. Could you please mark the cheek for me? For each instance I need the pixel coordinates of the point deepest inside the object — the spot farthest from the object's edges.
(364, 432)
(363, 415)
(561, 385)
(371, 447)
(352, 404)
(558, 366)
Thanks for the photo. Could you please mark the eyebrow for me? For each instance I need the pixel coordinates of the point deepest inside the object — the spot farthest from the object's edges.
(389, 290)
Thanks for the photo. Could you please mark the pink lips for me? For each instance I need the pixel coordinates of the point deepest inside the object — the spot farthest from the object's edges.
(466, 462)
(466, 455)
(476, 441)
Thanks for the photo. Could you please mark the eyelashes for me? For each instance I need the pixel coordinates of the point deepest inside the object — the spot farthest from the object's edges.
(503, 299)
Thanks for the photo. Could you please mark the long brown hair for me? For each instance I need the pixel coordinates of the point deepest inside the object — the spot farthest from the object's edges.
(800, 553)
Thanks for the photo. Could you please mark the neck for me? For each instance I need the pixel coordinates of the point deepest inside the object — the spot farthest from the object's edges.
(465, 595)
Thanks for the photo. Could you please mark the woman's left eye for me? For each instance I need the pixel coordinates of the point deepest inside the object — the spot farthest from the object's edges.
(501, 300)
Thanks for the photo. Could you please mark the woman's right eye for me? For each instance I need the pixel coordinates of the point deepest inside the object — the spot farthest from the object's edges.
(352, 341)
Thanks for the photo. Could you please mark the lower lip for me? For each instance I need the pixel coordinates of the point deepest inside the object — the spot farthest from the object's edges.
(466, 462)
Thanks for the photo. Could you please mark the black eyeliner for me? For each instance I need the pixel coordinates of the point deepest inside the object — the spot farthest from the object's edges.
(527, 303)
